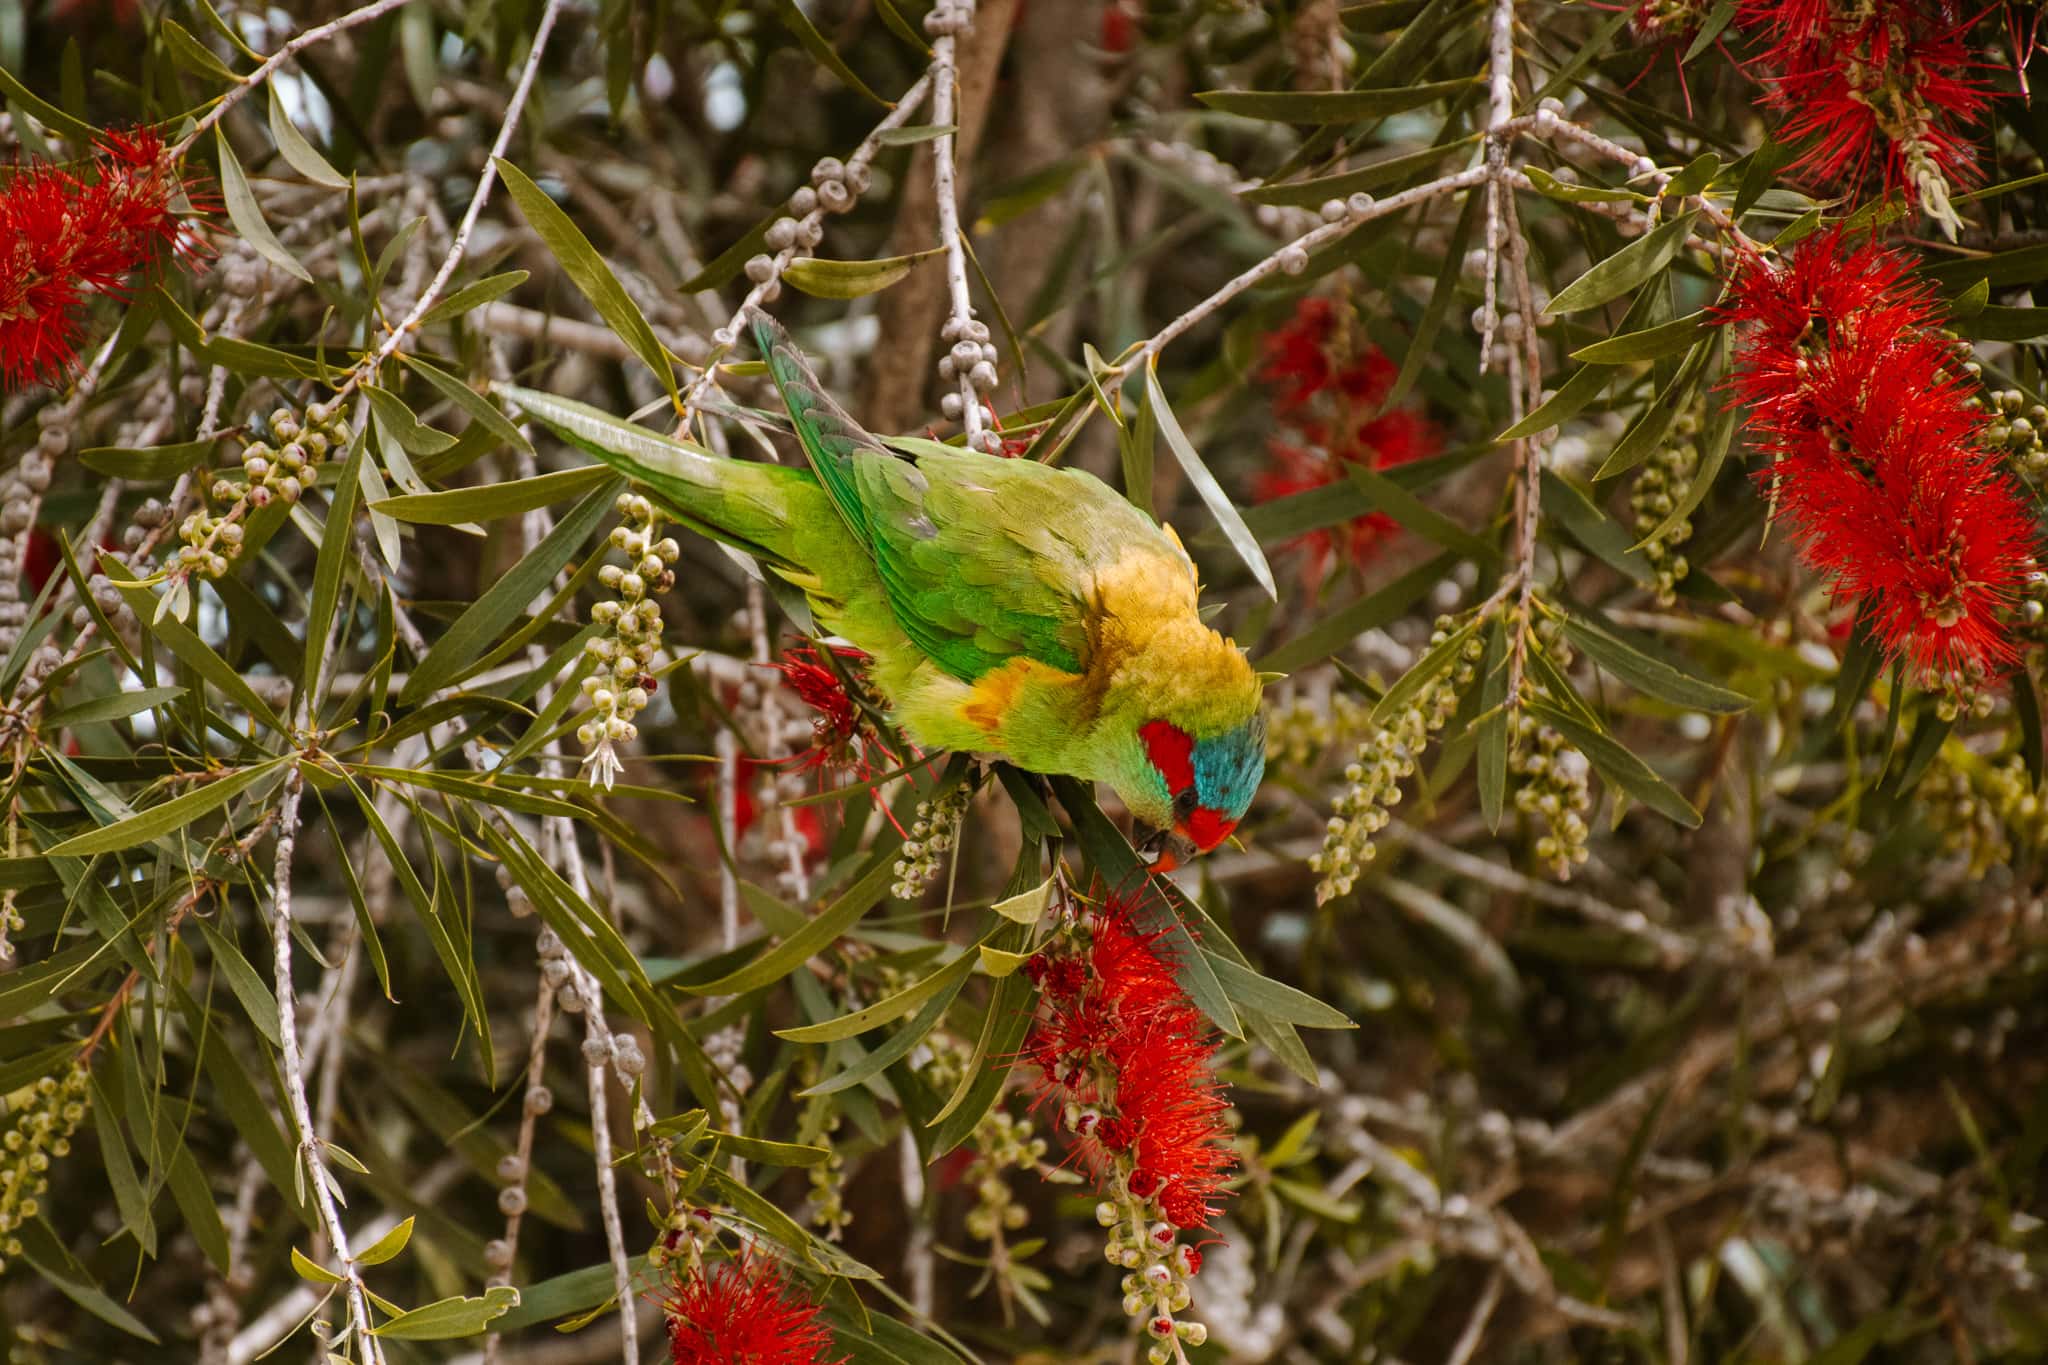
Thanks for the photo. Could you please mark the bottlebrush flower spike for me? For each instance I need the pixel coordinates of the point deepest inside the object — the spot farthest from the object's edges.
(1329, 388)
(1878, 89)
(743, 1313)
(1879, 464)
(63, 238)
(1131, 1061)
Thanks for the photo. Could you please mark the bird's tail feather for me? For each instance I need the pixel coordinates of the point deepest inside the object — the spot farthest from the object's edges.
(740, 502)
(829, 436)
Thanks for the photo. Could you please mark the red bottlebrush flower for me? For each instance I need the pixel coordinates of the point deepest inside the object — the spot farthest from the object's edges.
(743, 1313)
(1119, 28)
(841, 737)
(63, 238)
(1879, 465)
(1329, 386)
(1118, 1040)
(1880, 89)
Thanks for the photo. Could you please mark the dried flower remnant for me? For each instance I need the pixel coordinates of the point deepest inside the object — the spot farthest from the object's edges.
(1876, 88)
(1881, 464)
(1129, 1061)
(1329, 387)
(65, 238)
(742, 1312)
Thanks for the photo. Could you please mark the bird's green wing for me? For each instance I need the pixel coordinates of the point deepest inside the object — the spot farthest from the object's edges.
(983, 559)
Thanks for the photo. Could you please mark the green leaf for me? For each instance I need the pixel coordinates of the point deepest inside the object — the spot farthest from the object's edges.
(1274, 998)
(770, 1153)
(821, 49)
(451, 1318)
(1422, 344)
(1861, 659)
(474, 295)
(1492, 756)
(817, 932)
(1698, 174)
(1583, 387)
(1617, 764)
(1027, 907)
(1649, 430)
(1550, 187)
(115, 706)
(887, 1009)
(149, 463)
(1566, 504)
(591, 275)
(169, 817)
(507, 599)
(480, 409)
(250, 989)
(1331, 106)
(248, 217)
(312, 1271)
(195, 56)
(1417, 516)
(337, 547)
(1997, 323)
(1312, 193)
(899, 1046)
(387, 1246)
(915, 133)
(1371, 612)
(1625, 269)
(1713, 454)
(491, 501)
(79, 131)
(400, 424)
(1213, 497)
(1423, 672)
(1651, 343)
(302, 155)
(826, 279)
(1651, 676)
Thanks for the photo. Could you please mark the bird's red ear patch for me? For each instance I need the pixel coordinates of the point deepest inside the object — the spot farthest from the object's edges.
(1171, 751)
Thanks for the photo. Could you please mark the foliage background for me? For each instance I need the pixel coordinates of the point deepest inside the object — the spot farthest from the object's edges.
(1762, 1083)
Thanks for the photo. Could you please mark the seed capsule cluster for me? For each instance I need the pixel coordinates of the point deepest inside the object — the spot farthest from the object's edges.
(969, 352)
(1666, 477)
(2018, 428)
(42, 1131)
(932, 836)
(1158, 1265)
(1553, 790)
(827, 1204)
(1986, 812)
(621, 681)
(836, 186)
(1002, 1142)
(1385, 758)
(270, 472)
(1299, 732)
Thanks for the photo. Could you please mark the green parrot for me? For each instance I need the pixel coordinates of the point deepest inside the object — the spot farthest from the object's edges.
(1009, 608)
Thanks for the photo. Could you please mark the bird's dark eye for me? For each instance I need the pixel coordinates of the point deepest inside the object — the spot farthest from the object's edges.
(1184, 804)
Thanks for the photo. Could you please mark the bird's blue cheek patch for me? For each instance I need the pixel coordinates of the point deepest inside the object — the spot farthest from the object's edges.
(1228, 769)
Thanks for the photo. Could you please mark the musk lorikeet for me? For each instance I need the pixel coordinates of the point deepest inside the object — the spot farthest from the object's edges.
(1010, 608)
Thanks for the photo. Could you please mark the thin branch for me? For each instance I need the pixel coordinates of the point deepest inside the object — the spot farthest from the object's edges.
(311, 1146)
(375, 10)
(460, 246)
(945, 80)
